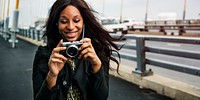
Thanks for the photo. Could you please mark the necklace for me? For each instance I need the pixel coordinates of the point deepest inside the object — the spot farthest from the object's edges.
(73, 91)
(71, 63)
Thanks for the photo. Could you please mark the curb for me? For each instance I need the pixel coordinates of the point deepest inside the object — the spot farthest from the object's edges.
(162, 85)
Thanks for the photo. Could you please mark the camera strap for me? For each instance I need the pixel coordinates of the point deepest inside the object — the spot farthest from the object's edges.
(83, 31)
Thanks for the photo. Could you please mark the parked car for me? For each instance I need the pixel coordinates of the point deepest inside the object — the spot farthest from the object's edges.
(134, 24)
(112, 25)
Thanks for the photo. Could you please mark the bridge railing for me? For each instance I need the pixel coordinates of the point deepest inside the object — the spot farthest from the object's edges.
(142, 49)
(32, 33)
(172, 26)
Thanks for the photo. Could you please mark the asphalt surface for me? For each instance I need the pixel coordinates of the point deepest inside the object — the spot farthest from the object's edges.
(16, 70)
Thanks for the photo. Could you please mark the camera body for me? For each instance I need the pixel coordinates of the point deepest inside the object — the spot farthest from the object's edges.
(72, 48)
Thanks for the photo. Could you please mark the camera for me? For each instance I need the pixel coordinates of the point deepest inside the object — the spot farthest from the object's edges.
(72, 48)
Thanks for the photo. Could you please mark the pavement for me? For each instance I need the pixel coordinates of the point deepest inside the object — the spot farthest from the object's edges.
(16, 72)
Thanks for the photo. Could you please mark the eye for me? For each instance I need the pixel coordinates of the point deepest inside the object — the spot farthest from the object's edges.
(63, 21)
(76, 20)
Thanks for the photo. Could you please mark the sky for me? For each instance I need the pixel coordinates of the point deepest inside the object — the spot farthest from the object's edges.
(32, 10)
(136, 9)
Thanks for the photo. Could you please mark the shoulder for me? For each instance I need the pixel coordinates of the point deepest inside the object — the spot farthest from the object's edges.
(42, 50)
(41, 58)
(42, 53)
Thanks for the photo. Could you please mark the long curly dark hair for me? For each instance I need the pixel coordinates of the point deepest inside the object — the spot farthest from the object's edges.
(101, 40)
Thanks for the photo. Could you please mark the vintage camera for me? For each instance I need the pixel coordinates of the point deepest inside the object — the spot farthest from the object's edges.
(72, 48)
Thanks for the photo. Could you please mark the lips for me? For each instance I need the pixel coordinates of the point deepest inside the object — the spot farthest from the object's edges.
(70, 34)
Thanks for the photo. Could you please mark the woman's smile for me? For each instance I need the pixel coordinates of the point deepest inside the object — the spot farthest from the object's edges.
(70, 34)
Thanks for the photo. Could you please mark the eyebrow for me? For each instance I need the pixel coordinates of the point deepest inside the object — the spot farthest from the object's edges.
(67, 18)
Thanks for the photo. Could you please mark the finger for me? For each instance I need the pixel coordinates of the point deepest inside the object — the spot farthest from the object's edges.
(84, 45)
(86, 40)
(83, 52)
(55, 60)
(87, 56)
(59, 56)
(87, 51)
(58, 49)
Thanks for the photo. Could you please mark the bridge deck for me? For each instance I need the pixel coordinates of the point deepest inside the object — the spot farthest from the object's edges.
(16, 71)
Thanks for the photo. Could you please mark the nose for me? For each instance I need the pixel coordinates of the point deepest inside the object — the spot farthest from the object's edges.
(70, 26)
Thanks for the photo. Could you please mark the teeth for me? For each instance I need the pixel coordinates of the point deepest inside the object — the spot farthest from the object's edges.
(71, 34)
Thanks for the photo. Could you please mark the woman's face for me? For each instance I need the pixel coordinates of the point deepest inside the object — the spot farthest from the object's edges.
(70, 23)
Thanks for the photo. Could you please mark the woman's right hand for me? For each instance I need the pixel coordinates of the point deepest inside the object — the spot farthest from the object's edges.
(56, 61)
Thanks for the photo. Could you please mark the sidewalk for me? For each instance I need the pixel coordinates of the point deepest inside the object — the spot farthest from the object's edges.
(16, 71)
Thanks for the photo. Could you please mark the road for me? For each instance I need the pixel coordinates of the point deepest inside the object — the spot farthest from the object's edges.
(187, 78)
(16, 72)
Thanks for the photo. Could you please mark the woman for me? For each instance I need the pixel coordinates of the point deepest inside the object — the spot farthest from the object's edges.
(83, 77)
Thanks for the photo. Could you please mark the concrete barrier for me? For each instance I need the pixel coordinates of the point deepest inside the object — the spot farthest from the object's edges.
(162, 85)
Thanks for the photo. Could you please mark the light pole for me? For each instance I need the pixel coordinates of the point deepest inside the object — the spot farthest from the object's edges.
(1, 9)
(1, 14)
(14, 28)
(121, 11)
(6, 22)
(4, 6)
(146, 12)
(184, 10)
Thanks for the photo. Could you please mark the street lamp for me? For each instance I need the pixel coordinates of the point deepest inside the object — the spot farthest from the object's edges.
(6, 21)
(1, 13)
(184, 10)
(4, 6)
(1, 9)
(146, 12)
(121, 11)
(14, 28)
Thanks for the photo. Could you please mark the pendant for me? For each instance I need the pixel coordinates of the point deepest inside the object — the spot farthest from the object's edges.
(71, 63)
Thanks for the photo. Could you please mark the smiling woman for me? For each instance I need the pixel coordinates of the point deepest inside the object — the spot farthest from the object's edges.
(56, 76)
(70, 23)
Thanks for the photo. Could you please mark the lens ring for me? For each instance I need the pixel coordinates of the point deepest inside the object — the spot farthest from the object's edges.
(72, 51)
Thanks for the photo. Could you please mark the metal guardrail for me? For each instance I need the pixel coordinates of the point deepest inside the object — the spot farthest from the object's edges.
(33, 34)
(28, 33)
(141, 49)
(170, 26)
(142, 60)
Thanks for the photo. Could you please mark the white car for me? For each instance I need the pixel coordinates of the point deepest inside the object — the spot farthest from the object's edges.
(134, 24)
(112, 25)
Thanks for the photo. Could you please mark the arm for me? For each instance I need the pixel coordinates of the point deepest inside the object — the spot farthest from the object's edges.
(40, 70)
(99, 84)
(45, 83)
(98, 78)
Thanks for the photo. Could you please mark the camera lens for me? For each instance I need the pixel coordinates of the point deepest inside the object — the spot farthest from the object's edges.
(72, 51)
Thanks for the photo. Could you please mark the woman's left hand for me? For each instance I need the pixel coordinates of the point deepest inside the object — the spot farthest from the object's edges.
(88, 53)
